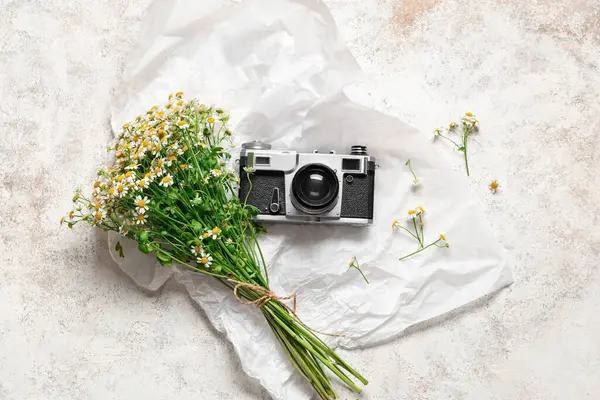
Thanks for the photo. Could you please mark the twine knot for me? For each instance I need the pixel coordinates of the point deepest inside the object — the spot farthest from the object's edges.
(266, 295)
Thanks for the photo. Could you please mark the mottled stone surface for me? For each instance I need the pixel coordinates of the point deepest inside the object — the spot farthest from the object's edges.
(73, 327)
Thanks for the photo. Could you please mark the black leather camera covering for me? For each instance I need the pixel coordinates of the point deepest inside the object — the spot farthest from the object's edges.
(357, 196)
(263, 183)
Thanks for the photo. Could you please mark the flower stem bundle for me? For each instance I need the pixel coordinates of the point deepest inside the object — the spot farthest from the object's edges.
(416, 229)
(170, 190)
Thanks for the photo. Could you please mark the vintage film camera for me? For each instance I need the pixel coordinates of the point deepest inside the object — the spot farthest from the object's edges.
(324, 188)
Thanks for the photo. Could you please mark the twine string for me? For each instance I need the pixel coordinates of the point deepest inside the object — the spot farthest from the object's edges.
(267, 295)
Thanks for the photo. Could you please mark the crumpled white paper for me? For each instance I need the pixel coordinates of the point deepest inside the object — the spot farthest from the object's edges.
(280, 67)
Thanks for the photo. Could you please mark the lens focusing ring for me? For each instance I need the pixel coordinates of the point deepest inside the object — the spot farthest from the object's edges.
(301, 200)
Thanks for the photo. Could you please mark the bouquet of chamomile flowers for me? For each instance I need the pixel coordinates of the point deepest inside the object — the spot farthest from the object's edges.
(170, 190)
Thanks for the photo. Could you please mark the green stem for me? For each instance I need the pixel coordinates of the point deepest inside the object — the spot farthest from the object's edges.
(420, 250)
(417, 231)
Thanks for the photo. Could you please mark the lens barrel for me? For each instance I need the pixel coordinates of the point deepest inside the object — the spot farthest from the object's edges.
(315, 189)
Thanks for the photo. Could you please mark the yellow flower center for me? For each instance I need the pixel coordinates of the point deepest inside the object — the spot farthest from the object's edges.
(197, 249)
(216, 231)
(494, 185)
(159, 163)
(145, 143)
(98, 206)
(421, 209)
(111, 191)
(172, 158)
(178, 94)
(180, 103)
(161, 114)
(148, 175)
(163, 139)
(412, 212)
(153, 108)
(70, 214)
(218, 171)
(204, 235)
(442, 236)
(138, 117)
(136, 138)
(141, 204)
(128, 174)
(97, 184)
(142, 183)
(120, 188)
(166, 179)
(119, 178)
(183, 166)
(181, 123)
(62, 220)
(468, 114)
(141, 217)
(98, 216)
(210, 120)
(204, 260)
(125, 125)
(394, 223)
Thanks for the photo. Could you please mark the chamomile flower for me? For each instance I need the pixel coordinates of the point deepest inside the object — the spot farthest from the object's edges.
(436, 133)
(215, 172)
(395, 224)
(166, 181)
(170, 159)
(205, 259)
(229, 242)
(140, 219)
(210, 120)
(452, 125)
(141, 204)
(130, 177)
(205, 235)
(123, 230)
(420, 210)
(214, 233)
(142, 184)
(249, 170)
(196, 250)
(444, 242)
(412, 214)
(494, 185)
(98, 216)
(121, 190)
(131, 166)
(182, 124)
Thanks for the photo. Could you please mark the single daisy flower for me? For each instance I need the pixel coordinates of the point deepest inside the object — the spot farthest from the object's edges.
(129, 177)
(436, 133)
(205, 259)
(121, 190)
(111, 191)
(395, 224)
(142, 183)
(196, 250)
(123, 230)
(420, 210)
(213, 233)
(179, 94)
(182, 124)
(170, 160)
(412, 214)
(131, 166)
(99, 216)
(140, 219)
(205, 235)
(215, 172)
(141, 204)
(166, 181)
(229, 242)
(494, 185)
(249, 170)
(452, 125)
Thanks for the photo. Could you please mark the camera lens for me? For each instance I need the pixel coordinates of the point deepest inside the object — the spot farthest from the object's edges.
(314, 189)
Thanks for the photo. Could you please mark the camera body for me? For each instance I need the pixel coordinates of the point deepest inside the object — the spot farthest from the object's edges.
(325, 188)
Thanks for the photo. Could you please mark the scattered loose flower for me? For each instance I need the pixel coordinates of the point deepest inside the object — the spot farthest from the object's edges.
(417, 231)
(354, 264)
(416, 180)
(494, 185)
(469, 124)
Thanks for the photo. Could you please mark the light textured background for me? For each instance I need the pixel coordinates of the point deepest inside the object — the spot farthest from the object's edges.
(73, 327)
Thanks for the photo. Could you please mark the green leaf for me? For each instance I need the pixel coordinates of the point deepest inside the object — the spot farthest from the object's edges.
(163, 259)
(119, 249)
(217, 269)
(143, 237)
(196, 226)
(461, 148)
(145, 247)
